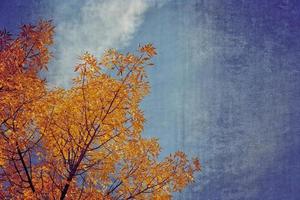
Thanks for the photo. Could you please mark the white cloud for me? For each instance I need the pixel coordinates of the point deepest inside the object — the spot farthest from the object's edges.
(92, 25)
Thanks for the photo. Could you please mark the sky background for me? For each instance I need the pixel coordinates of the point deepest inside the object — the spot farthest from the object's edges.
(225, 87)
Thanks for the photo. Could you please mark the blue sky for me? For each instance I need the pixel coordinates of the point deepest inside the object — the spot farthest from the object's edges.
(225, 86)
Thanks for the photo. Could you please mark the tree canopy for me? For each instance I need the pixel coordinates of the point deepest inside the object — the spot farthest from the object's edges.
(84, 142)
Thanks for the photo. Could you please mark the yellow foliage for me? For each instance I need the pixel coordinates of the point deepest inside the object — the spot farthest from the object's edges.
(84, 142)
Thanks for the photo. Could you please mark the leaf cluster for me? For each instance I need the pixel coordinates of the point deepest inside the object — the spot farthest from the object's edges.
(84, 142)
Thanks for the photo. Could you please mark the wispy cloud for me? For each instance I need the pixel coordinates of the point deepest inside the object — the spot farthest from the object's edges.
(93, 26)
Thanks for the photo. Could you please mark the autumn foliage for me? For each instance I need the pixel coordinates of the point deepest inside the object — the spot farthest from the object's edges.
(84, 142)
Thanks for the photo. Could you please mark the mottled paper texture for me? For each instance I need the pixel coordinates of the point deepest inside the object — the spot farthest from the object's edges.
(225, 87)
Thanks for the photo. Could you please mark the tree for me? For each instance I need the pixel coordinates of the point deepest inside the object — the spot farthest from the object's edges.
(84, 142)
